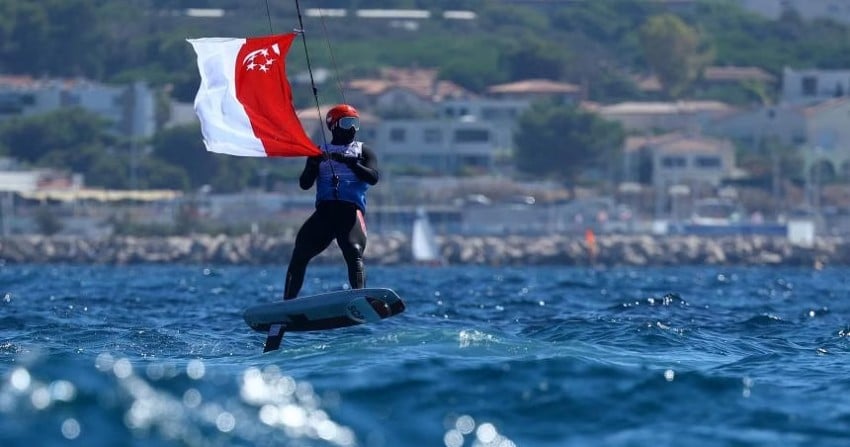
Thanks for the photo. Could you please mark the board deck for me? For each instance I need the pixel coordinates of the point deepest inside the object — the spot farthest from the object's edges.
(323, 311)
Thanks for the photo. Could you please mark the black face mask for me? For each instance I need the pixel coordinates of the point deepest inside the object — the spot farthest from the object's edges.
(343, 136)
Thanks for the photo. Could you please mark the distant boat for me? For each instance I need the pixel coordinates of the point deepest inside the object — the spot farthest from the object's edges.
(423, 242)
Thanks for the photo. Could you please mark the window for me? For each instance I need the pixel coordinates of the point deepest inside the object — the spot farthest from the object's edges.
(810, 86)
(472, 136)
(432, 136)
(673, 162)
(398, 135)
(707, 162)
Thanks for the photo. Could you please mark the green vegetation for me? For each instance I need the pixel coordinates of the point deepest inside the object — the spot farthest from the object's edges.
(672, 49)
(601, 45)
(563, 143)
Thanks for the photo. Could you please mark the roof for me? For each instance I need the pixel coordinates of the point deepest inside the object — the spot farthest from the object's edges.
(101, 195)
(636, 143)
(823, 106)
(688, 145)
(535, 86)
(310, 113)
(659, 108)
(678, 143)
(647, 83)
(422, 82)
(29, 83)
(734, 73)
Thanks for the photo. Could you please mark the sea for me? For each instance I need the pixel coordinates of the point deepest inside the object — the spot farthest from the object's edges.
(159, 355)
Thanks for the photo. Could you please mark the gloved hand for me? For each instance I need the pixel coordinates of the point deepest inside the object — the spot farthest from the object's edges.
(315, 160)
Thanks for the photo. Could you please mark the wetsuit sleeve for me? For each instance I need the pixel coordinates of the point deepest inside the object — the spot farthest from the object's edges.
(366, 167)
(310, 172)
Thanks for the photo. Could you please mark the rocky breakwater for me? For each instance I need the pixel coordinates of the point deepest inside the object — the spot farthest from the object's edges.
(634, 250)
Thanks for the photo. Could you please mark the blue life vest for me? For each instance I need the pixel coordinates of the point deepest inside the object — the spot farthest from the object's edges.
(350, 188)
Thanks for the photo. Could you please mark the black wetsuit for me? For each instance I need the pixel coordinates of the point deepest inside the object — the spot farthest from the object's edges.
(333, 219)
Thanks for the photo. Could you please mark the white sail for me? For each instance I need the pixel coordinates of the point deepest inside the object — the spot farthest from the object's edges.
(423, 242)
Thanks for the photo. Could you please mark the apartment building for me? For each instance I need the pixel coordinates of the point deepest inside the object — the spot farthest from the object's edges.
(812, 86)
(129, 109)
(698, 162)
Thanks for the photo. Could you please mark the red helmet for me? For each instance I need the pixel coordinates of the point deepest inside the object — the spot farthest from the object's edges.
(339, 111)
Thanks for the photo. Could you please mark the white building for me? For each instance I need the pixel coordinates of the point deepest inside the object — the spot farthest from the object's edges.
(821, 131)
(828, 136)
(783, 123)
(437, 146)
(695, 161)
(651, 117)
(813, 86)
(434, 146)
(501, 115)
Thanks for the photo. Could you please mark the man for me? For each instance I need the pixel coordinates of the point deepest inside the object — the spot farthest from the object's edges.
(342, 174)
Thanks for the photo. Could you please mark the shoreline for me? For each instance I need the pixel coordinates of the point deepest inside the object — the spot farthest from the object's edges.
(612, 250)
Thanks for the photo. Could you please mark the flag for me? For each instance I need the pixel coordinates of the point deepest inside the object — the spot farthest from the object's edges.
(244, 101)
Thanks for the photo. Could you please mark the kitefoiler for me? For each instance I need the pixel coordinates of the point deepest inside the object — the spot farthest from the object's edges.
(245, 106)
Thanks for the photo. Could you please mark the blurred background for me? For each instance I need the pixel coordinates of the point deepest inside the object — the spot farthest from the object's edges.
(489, 117)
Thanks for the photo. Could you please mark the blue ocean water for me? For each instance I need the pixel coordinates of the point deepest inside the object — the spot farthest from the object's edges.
(544, 356)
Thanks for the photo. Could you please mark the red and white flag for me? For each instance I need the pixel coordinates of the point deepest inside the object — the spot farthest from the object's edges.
(245, 101)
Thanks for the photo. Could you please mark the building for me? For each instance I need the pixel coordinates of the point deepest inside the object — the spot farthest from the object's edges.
(437, 146)
(820, 131)
(735, 75)
(419, 124)
(813, 86)
(403, 93)
(650, 117)
(536, 89)
(696, 162)
(419, 145)
(129, 109)
(828, 137)
(783, 123)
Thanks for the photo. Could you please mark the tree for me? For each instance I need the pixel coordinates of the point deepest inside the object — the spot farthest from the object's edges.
(532, 57)
(563, 142)
(673, 51)
(158, 174)
(25, 33)
(75, 35)
(70, 130)
(183, 148)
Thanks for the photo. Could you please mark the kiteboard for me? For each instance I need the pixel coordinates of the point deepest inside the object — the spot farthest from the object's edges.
(323, 311)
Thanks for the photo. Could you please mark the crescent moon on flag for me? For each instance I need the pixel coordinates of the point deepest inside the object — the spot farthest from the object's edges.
(263, 51)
